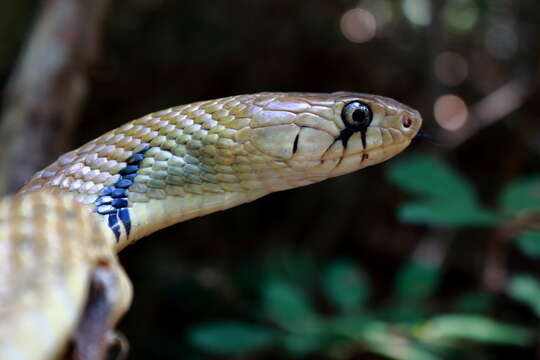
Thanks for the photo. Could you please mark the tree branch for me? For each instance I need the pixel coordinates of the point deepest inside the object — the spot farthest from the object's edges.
(48, 87)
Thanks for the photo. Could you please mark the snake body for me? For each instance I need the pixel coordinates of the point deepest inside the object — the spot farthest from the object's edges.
(166, 167)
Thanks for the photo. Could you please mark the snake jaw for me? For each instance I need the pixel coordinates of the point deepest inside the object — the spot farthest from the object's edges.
(378, 143)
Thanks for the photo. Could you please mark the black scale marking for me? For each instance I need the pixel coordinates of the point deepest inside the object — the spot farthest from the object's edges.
(113, 200)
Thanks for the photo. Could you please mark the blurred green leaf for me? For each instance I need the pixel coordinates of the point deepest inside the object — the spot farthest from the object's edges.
(529, 243)
(446, 197)
(380, 339)
(445, 214)
(416, 281)
(473, 328)
(526, 289)
(345, 285)
(521, 195)
(404, 312)
(351, 326)
(300, 345)
(403, 351)
(474, 302)
(285, 304)
(429, 177)
(231, 337)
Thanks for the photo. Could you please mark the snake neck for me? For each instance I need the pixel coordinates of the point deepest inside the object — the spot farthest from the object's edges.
(157, 188)
(146, 218)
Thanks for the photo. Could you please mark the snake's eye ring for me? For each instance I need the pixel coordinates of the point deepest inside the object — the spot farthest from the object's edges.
(357, 116)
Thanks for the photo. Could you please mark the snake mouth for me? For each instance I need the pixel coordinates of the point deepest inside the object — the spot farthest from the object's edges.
(386, 150)
(345, 136)
(365, 152)
(353, 161)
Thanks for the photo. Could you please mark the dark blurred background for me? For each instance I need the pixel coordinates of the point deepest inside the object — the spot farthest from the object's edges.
(469, 66)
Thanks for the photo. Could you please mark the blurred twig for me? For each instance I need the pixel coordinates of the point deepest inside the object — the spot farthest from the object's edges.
(433, 247)
(490, 109)
(48, 87)
(495, 275)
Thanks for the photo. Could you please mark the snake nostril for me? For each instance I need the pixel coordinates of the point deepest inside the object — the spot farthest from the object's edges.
(407, 122)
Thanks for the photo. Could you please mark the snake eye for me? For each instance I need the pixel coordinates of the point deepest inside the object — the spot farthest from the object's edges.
(357, 116)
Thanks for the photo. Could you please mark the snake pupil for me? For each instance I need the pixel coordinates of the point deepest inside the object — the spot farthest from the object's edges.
(357, 116)
(361, 116)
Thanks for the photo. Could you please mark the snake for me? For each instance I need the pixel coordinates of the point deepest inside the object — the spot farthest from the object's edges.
(63, 289)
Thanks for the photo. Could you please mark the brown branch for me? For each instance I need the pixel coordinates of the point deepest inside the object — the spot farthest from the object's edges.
(495, 273)
(492, 108)
(48, 87)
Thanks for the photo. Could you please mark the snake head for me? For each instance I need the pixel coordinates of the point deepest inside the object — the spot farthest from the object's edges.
(316, 136)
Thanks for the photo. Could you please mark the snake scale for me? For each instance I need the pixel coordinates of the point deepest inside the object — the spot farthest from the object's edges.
(62, 289)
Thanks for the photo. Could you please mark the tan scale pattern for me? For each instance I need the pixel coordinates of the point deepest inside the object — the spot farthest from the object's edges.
(48, 245)
(239, 145)
(211, 146)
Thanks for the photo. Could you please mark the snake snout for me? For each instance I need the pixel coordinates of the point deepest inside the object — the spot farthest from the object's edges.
(411, 121)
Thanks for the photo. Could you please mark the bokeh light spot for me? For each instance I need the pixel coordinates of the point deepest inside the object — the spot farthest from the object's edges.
(451, 68)
(501, 41)
(358, 25)
(417, 12)
(460, 15)
(382, 10)
(451, 112)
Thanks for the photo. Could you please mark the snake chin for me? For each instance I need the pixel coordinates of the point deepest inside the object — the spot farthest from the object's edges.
(362, 159)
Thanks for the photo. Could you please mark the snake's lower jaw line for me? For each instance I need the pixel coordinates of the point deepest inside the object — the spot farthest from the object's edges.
(355, 162)
(381, 154)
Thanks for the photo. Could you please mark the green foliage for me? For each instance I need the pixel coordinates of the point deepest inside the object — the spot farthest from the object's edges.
(445, 197)
(521, 195)
(474, 302)
(522, 198)
(526, 289)
(307, 309)
(529, 243)
(345, 285)
(474, 328)
(416, 281)
(231, 337)
(449, 214)
(429, 177)
(401, 329)
(298, 345)
(288, 306)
